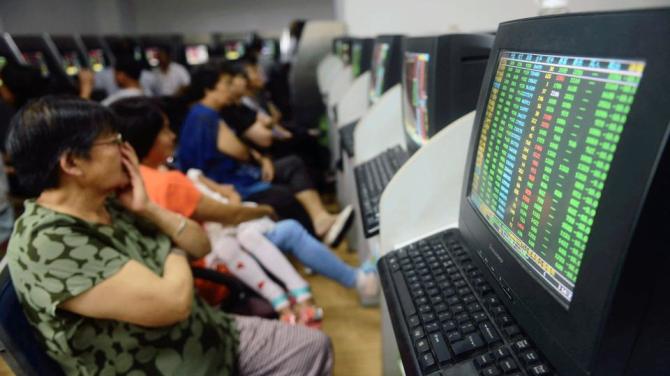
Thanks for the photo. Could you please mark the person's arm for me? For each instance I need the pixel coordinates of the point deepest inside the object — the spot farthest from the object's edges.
(260, 132)
(226, 190)
(211, 210)
(185, 233)
(86, 83)
(137, 295)
(228, 143)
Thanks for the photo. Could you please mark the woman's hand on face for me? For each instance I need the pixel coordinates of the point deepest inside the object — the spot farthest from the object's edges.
(267, 169)
(133, 196)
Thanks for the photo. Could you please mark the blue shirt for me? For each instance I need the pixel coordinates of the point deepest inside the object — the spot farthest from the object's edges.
(198, 149)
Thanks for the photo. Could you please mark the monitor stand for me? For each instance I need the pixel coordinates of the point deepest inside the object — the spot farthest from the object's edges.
(422, 198)
(341, 82)
(352, 107)
(379, 129)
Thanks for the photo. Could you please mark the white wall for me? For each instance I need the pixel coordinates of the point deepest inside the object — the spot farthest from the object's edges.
(197, 16)
(425, 17)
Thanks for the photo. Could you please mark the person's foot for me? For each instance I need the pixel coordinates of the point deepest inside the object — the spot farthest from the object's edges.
(367, 285)
(323, 224)
(339, 227)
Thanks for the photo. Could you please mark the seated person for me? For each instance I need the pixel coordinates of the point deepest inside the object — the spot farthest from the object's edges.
(207, 143)
(127, 74)
(169, 77)
(147, 129)
(102, 272)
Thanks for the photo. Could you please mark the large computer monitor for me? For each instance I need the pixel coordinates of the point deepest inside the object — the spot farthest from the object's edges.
(386, 67)
(72, 53)
(361, 55)
(441, 77)
(8, 49)
(98, 53)
(565, 198)
(234, 49)
(196, 54)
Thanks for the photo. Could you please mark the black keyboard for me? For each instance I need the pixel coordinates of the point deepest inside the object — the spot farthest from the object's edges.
(371, 179)
(447, 318)
(347, 138)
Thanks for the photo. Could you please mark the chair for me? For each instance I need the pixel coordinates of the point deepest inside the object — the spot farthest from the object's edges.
(23, 353)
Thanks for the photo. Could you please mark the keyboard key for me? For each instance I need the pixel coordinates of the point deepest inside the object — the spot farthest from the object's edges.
(457, 308)
(470, 343)
(468, 299)
(449, 325)
(501, 352)
(428, 317)
(443, 316)
(505, 320)
(474, 307)
(432, 327)
(427, 360)
(453, 300)
(490, 371)
(489, 332)
(440, 347)
(463, 317)
(484, 360)
(467, 327)
(520, 345)
(425, 308)
(440, 308)
(413, 321)
(436, 299)
(454, 336)
(508, 365)
(464, 291)
(422, 345)
(403, 295)
(530, 357)
(539, 370)
(417, 333)
(479, 316)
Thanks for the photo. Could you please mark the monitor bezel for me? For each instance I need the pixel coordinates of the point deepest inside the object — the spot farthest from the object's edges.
(570, 337)
(419, 45)
(393, 62)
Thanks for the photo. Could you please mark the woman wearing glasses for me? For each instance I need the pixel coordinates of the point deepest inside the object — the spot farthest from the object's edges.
(102, 272)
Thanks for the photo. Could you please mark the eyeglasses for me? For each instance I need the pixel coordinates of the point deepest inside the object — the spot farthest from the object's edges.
(118, 141)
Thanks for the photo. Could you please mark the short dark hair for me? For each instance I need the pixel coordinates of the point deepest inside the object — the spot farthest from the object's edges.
(24, 81)
(140, 120)
(46, 128)
(129, 66)
(205, 78)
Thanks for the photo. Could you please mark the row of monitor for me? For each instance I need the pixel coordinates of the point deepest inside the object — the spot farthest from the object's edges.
(66, 55)
(565, 194)
(432, 96)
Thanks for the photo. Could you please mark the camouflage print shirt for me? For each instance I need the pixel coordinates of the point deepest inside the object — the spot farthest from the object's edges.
(54, 256)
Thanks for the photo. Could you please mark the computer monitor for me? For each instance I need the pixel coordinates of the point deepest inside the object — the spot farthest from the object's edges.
(270, 49)
(98, 53)
(386, 68)
(96, 59)
(151, 56)
(234, 49)
(38, 60)
(565, 195)
(71, 63)
(441, 77)
(361, 55)
(197, 54)
(342, 49)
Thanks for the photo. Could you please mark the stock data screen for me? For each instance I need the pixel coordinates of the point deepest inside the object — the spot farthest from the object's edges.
(415, 96)
(36, 59)
(197, 54)
(379, 58)
(96, 59)
(549, 133)
(356, 53)
(71, 63)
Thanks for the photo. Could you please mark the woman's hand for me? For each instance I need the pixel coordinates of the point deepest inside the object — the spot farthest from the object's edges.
(228, 191)
(268, 211)
(133, 196)
(267, 169)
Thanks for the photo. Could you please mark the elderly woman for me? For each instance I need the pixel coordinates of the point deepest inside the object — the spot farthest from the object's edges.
(102, 272)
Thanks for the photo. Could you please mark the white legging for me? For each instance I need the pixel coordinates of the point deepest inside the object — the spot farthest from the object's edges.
(230, 246)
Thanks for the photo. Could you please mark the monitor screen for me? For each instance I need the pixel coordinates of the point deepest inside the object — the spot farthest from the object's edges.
(356, 54)
(37, 59)
(380, 56)
(415, 97)
(151, 54)
(96, 59)
(269, 48)
(234, 50)
(71, 63)
(550, 130)
(3, 62)
(345, 54)
(197, 54)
